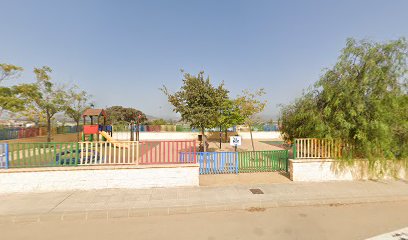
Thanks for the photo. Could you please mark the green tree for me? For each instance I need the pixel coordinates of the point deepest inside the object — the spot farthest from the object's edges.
(42, 99)
(361, 100)
(9, 71)
(77, 102)
(8, 99)
(250, 105)
(158, 122)
(119, 114)
(198, 102)
(230, 115)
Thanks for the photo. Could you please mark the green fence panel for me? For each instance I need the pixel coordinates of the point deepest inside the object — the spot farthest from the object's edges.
(263, 161)
(24, 155)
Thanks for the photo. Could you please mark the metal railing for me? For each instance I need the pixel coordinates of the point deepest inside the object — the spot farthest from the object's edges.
(263, 161)
(118, 152)
(218, 162)
(21, 155)
(317, 148)
(168, 152)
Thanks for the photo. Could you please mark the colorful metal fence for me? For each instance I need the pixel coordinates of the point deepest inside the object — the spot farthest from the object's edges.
(263, 161)
(218, 162)
(318, 148)
(17, 133)
(22, 155)
(117, 152)
(168, 152)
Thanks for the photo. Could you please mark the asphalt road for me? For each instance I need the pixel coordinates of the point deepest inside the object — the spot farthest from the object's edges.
(357, 221)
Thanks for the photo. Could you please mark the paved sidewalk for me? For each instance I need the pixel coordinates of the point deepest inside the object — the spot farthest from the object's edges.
(117, 203)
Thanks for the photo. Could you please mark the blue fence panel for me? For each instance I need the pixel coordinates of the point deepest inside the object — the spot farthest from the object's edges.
(4, 161)
(218, 162)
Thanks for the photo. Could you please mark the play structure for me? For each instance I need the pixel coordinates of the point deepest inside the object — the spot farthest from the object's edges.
(95, 128)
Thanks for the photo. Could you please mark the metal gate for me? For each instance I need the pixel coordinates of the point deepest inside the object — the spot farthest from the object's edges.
(218, 162)
(243, 162)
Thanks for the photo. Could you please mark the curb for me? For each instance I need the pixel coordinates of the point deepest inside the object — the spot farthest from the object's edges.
(252, 206)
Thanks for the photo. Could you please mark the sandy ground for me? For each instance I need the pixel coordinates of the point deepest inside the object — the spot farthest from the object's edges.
(358, 221)
(246, 145)
(244, 179)
(69, 137)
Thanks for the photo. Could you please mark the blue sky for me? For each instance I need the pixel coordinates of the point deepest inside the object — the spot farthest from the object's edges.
(122, 52)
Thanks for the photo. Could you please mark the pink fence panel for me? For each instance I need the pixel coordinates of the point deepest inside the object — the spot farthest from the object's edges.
(168, 152)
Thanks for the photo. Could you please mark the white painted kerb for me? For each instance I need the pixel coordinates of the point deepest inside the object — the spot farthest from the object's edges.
(134, 178)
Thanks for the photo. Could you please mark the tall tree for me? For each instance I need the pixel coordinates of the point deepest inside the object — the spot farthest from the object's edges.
(362, 100)
(43, 98)
(230, 115)
(119, 114)
(9, 71)
(158, 122)
(77, 102)
(8, 99)
(198, 102)
(250, 105)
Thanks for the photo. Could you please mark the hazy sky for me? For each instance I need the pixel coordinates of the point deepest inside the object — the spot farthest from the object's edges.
(122, 52)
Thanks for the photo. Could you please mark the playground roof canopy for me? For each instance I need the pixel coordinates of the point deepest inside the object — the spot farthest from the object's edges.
(94, 112)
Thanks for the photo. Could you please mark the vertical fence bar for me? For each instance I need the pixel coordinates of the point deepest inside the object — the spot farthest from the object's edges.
(236, 162)
(6, 151)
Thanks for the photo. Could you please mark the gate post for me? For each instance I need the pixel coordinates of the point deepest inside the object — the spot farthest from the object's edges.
(294, 149)
(236, 162)
(7, 155)
(137, 152)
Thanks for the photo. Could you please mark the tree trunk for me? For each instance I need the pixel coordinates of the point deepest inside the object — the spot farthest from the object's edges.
(48, 128)
(77, 127)
(204, 140)
(252, 140)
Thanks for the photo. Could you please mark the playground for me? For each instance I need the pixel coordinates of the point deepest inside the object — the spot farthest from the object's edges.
(165, 154)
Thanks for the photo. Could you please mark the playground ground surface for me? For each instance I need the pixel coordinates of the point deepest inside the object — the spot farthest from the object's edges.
(69, 137)
(259, 144)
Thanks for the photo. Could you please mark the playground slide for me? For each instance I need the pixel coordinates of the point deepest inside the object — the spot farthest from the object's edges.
(111, 140)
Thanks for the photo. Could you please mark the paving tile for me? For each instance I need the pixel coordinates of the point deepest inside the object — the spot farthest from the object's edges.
(102, 214)
(197, 209)
(6, 219)
(74, 216)
(288, 194)
(138, 212)
(51, 217)
(216, 207)
(158, 211)
(123, 213)
(26, 219)
(177, 210)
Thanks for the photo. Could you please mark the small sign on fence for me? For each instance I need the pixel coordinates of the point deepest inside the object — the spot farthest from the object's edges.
(235, 141)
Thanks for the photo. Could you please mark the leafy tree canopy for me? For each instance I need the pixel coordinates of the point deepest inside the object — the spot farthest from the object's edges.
(77, 102)
(42, 99)
(158, 122)
(249, 105)
(119, 114)
(198, 101)
(362, 100)
(8, 99)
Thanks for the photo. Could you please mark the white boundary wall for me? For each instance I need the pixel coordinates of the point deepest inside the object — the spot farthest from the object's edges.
(88, 178)
(125, 136)
(320, 170)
